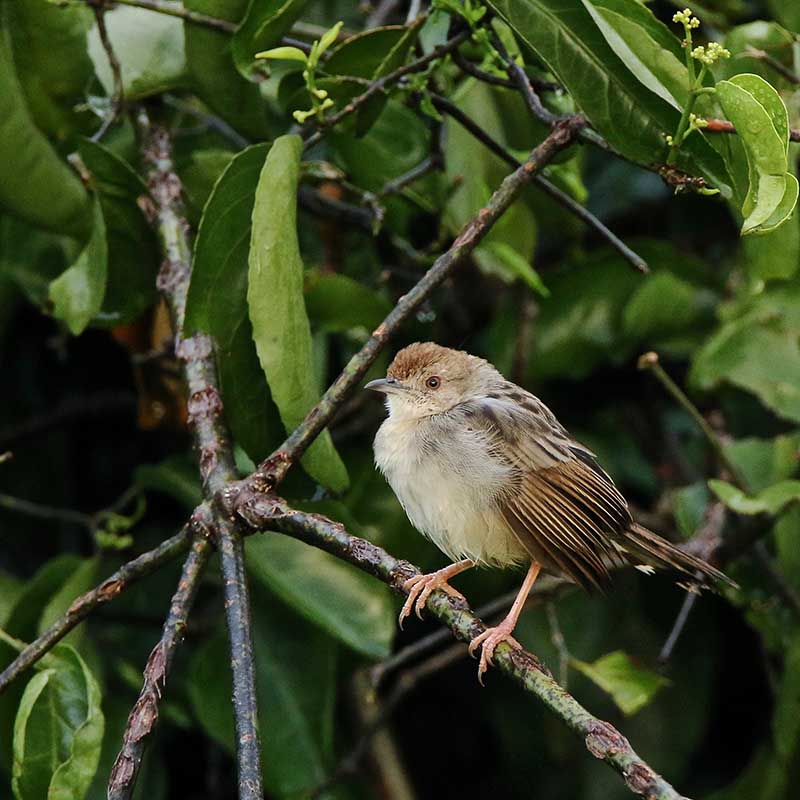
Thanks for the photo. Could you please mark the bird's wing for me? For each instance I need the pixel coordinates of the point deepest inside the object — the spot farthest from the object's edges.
(562, 505)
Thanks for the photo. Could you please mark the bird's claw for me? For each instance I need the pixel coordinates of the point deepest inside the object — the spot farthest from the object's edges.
(488, 641)
(419, 589)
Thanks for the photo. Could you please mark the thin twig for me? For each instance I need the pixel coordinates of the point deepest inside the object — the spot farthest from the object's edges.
(175, 10)
(118, 97)
(781, 69)
(399, 183)
(272, 471)
(82, 606)
(562, 198)
(706, 539)
(650, 361)
(559, 642)
(379, 85)
(601, 739)
(49, 513)
(144, 714)
(723, 126)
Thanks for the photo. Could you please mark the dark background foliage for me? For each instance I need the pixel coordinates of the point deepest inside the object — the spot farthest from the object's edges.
(97, 422)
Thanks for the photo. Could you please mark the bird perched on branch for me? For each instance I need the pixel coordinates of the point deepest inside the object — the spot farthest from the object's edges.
(485, 470)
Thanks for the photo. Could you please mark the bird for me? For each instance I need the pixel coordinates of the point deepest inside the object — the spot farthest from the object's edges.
(484, 469)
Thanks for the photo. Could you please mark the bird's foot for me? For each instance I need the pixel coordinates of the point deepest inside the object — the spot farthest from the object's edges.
(488, 641)
(419, 589)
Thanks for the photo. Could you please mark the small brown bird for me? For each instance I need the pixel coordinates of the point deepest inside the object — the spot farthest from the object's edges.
(485, 470)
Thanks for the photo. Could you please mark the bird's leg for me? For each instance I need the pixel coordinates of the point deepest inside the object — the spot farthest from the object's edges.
(491, 637)
(420, 587)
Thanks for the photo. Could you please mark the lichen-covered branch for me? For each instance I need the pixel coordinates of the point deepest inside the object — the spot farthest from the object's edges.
(217, 469)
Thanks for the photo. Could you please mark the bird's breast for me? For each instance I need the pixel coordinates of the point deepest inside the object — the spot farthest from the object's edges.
(448, 483)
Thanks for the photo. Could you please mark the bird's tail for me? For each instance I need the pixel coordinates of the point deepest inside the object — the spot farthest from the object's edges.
(661, 554)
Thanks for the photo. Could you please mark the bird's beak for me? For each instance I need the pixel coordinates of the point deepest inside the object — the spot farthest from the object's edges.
(385, 385)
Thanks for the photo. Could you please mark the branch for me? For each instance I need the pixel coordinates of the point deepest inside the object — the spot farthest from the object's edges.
(118, 98)
(217, 469)
(81, 607)
(273, 470)
(39, 511)
(144, 714)
(562, 198)
(650, 361)
(173, 10)
(723, 126)
(781, 69)
(601, 739)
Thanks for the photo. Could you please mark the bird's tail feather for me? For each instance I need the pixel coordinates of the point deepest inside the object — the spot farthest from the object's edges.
(659, 553)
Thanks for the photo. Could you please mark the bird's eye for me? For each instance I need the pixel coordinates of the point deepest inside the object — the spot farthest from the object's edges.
(433, 382)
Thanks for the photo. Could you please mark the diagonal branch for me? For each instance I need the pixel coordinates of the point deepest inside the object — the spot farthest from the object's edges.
(602, 740)
(82, 606)
(273, 470)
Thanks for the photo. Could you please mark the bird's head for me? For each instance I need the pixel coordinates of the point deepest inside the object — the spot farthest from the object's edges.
(426, 379)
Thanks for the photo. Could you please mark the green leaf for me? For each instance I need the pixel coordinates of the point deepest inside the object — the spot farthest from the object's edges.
(133, 251)
(217, 302)
(518, 266)
(285, 53)
(58, 731)
(631, 687)
(149, 48)
(774, 255)
(54, 69)
(338, 303)
(176, 476)
(83, 578)
(10, 590)
(77, 294)
(761, 120)
(361, 55)
(298, 702)
(758, 351)
(214, 74)
(771, 500)
(275, 300)
(349, 605)
(29, 167)
(646, 46)
(262, 28)
(633, 119)
(689, 504)
(763, 462)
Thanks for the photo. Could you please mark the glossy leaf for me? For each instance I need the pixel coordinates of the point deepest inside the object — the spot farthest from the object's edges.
(217, 302)
(338, 303)
(757, 350)
(351, 606)
(262, 28)
(29, 166)
(631, 117)
(175, 476)
(769, 501)
(77, 294)
(645, 45)
(277, 311)
(133, 251)
(209, 60)
(58, 731)
(49, 45)
(149, 48)
(762, 123)
(631, 687)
